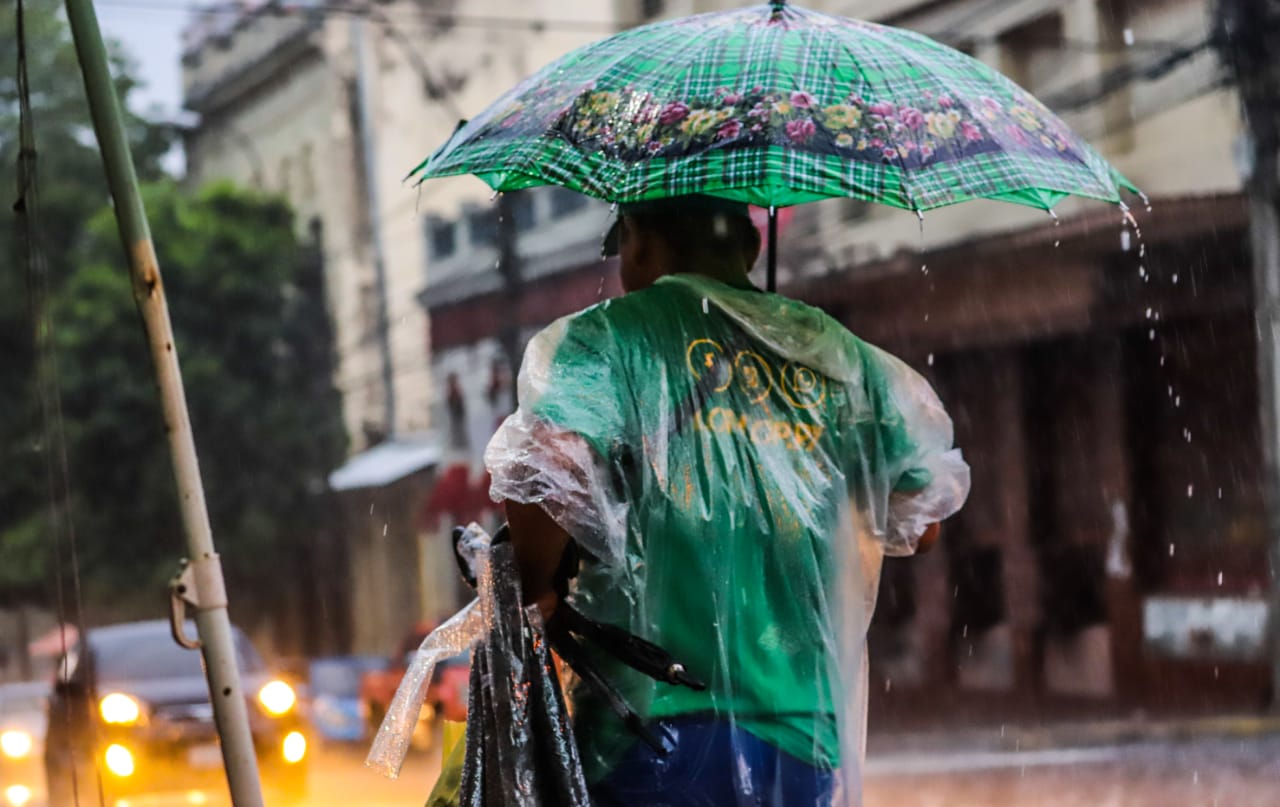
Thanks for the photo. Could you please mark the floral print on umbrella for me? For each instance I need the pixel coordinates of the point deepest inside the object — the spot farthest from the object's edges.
(933, 128)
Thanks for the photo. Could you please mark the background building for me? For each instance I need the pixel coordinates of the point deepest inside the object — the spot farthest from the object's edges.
(1103, 379)
(330, 105)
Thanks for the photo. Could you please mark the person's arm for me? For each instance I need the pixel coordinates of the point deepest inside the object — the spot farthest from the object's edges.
(929, 539)
(539, 544)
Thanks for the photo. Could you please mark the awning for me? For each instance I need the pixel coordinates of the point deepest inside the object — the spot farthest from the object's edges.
(385, 463)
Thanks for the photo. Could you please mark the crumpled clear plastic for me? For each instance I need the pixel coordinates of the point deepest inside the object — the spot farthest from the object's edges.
(734, 466)
(458, 634)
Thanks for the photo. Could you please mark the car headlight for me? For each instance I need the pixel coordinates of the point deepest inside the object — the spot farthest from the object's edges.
(119, 760)
(277, 698)
(15, 743)
(294, 747)
(119, 709)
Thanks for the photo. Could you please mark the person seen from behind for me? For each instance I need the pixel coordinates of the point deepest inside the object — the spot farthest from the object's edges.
(730, 466)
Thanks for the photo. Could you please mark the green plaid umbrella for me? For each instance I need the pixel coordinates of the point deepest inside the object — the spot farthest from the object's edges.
(776, 105)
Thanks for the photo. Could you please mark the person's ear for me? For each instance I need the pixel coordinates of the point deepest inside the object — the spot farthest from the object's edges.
(752, 244)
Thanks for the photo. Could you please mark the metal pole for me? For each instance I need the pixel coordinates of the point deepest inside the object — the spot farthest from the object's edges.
(229, 702)
(1248, 36)
(512, 286)
(771, 278)
(368, 154)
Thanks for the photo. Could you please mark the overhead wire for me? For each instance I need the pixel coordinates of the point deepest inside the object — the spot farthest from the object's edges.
(53, 435)
(436, 22)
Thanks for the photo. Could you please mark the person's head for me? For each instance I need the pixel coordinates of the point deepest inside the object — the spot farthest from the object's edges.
(683, 234)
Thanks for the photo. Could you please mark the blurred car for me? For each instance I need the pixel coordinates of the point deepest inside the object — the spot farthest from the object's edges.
(337, 711)
(446, 695)
(23, 719)
(133, 712)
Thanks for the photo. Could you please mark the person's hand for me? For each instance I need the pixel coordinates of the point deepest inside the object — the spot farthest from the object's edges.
(547, 605)
(929, 539)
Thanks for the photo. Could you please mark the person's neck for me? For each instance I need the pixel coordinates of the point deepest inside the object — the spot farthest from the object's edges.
(727, 271)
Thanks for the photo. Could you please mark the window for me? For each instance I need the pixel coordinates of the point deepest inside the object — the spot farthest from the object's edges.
(855, 210)
(484, 227)
(522, 210)
(286, 177)
(442, 237)
(564, 202)
(308, 172)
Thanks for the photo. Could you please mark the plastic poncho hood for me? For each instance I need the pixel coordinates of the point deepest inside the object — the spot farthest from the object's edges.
(734, 466)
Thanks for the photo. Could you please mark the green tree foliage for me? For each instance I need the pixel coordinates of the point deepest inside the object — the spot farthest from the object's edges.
(72, 190)
(247, 302)
(252, 335)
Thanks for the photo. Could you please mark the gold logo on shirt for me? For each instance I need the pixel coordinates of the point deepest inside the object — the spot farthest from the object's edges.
(755, 378)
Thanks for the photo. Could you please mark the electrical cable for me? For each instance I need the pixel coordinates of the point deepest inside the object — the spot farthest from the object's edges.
(54, 446)
(437, 22)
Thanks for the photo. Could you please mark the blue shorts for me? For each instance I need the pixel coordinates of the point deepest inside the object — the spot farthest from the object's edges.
(712, 764)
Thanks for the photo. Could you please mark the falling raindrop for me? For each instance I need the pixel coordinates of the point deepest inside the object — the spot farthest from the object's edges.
(930, 359)
(926, 317)
(1126, 240)
(1215, 677)
(1219, 579)
(1170, 550)
(1190, 490)
(384, 529)
(924, 268)
(1142, 251)
(1195, 777)
(370, 509)
(705, 309)
(1142, 271)
(1177, 401)
(1151, 334)
(1175, 278)
(495, 195)
(1149, 312)
(600, 291)
(888, 684)
(1128, 37)
(1219, 493)
(964, 632)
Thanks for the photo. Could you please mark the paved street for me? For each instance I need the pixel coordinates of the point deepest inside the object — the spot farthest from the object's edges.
(1203, 773)
(340, 779)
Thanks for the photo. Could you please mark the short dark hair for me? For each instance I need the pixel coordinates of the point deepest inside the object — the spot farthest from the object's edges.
(700, 231)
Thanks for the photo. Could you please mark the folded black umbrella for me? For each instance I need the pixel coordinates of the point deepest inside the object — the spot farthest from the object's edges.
(520, 748)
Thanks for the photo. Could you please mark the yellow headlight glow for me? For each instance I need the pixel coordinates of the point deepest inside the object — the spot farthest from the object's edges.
(120, 710)
(277, 697)
(15, 743)
(119, 760)
(295, 747)
(17, 795)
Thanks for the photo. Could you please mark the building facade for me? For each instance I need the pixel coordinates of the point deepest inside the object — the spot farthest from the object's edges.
(1102, 378)
(330, 105)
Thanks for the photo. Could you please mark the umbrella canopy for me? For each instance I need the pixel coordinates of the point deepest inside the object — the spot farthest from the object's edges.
(776, 105)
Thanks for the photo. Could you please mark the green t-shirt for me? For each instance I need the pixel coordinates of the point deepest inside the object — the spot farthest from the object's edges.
(737, 463)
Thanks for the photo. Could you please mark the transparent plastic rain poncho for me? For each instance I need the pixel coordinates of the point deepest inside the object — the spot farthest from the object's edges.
(733, 466)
